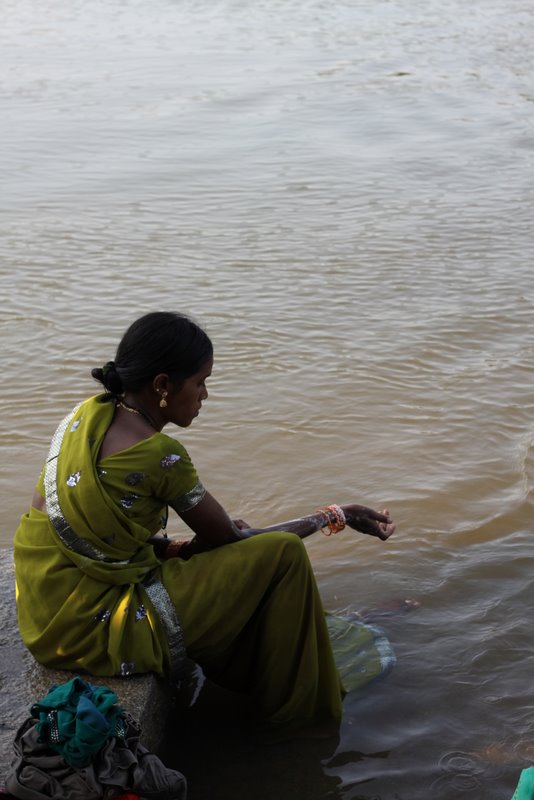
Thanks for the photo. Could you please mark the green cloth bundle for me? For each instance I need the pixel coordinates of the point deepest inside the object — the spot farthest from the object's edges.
(76, 719)
(362, 651)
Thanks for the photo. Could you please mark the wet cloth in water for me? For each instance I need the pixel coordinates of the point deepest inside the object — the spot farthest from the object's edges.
(362, 652)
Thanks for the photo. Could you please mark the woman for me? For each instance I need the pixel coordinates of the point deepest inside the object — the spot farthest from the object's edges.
(99, 591)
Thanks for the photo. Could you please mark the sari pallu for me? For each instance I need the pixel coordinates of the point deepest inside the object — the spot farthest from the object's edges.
(89, 594)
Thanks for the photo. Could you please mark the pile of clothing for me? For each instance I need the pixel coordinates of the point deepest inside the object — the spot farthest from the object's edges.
(78, 744)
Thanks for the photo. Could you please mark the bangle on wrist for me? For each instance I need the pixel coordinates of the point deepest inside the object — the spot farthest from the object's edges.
(334, 519)
(173, 549)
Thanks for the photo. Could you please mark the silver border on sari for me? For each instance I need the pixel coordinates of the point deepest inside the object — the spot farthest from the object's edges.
(69, 538)
(185, 673)
(187, 501)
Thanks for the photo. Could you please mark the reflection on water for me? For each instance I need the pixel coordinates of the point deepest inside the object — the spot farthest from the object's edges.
(342, 194)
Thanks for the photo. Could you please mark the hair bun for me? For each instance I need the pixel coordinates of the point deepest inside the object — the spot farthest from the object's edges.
(108, 377)
(107, 368)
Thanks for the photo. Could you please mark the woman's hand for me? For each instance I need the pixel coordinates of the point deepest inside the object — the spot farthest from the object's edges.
(365, 520)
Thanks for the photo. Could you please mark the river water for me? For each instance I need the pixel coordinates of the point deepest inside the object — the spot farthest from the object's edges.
(341, 193)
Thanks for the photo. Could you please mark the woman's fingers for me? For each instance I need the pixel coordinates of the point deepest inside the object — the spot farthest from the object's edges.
(387, 529)
(379, 516)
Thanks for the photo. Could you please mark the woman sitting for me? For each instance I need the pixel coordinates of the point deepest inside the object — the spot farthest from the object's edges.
(99, 591)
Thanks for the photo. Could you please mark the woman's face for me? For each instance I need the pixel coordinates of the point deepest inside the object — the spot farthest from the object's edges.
(184, 403)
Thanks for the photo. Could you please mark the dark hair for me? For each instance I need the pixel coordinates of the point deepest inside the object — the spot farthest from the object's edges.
(159, 342)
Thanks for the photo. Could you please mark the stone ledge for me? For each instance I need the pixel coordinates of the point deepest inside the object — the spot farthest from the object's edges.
(23, 680)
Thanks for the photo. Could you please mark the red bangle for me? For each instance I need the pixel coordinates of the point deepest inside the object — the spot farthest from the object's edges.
(174, 548)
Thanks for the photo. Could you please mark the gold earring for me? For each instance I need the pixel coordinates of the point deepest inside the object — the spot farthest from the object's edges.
(163, 402)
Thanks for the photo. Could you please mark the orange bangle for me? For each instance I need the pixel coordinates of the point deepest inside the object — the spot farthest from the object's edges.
(334, 519)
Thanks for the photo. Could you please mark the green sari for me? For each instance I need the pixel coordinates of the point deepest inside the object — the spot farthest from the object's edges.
(93, 596)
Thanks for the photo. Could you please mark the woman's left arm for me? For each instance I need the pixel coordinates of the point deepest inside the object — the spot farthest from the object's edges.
(213, 527)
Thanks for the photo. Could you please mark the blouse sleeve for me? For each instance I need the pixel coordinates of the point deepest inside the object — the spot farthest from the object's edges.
(178, 482)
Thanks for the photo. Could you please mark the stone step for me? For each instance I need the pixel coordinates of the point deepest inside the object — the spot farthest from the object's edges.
(23, 680)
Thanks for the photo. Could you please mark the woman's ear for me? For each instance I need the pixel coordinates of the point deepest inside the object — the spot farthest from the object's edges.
(161, 383)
